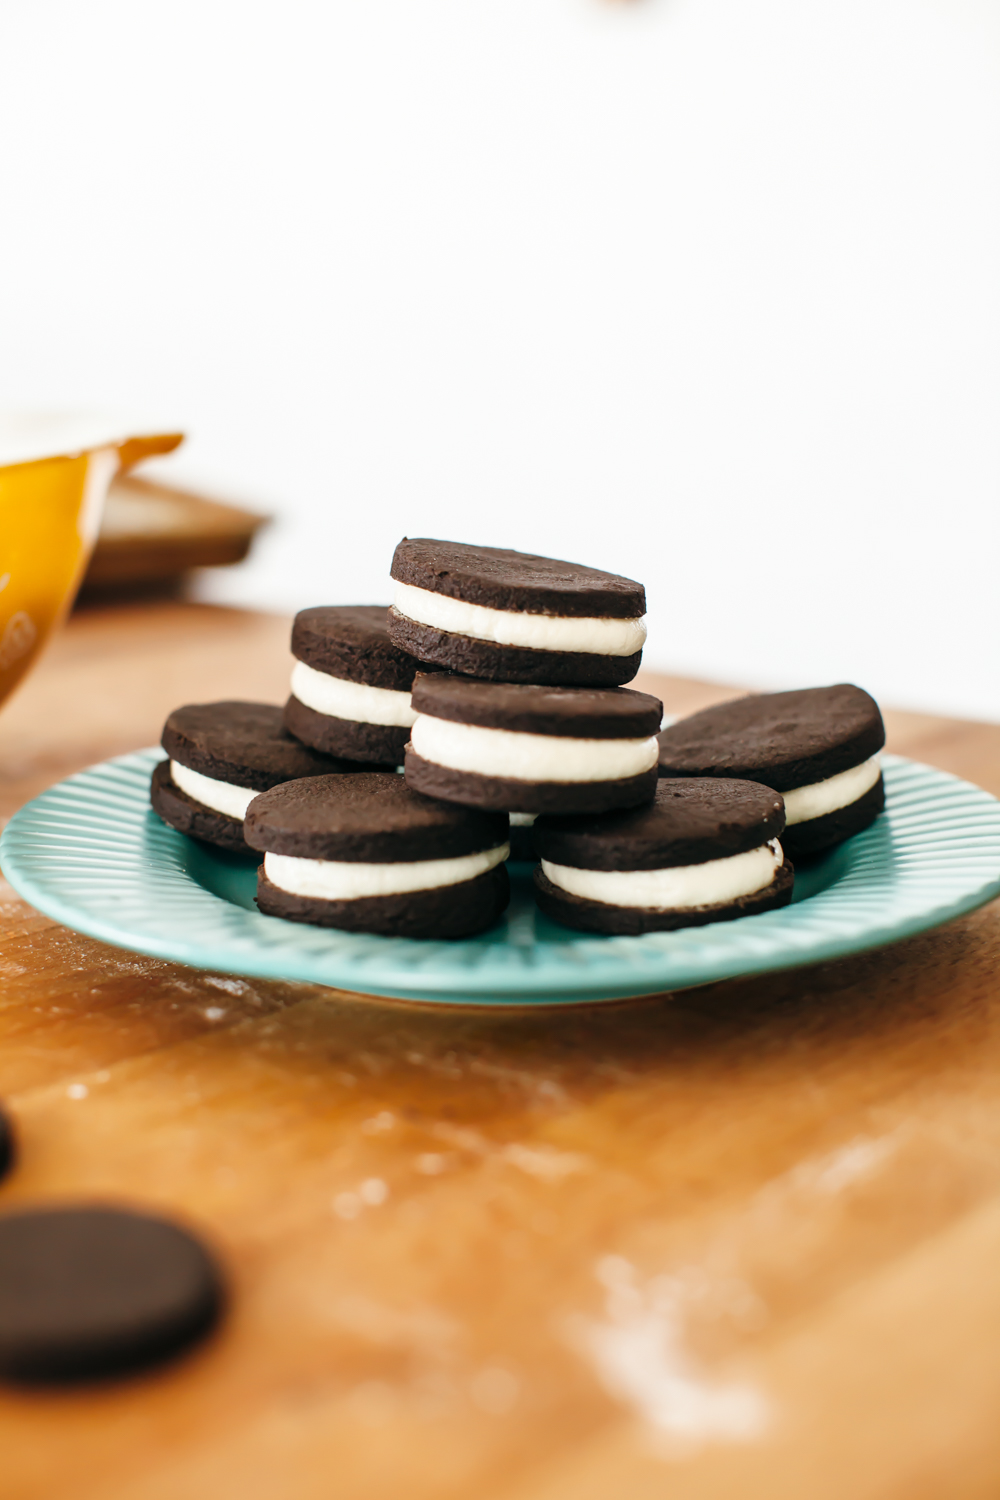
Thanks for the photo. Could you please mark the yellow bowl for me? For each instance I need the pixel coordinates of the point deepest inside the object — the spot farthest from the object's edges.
(50, 510)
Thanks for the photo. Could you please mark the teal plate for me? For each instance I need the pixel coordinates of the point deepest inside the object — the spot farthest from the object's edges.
(91, 854)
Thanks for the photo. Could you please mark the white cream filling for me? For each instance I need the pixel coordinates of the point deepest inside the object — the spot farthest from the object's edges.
(350, 700)
(522, 820)
(822, 797)
(220, 796)
(713, 883)
(338, 880)
(529, 757)
(509, 627)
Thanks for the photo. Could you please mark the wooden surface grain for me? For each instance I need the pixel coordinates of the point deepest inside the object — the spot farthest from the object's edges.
(740, 1241)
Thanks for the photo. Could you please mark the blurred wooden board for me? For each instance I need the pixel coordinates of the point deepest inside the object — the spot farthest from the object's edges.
(154, 533)
(736, 1242)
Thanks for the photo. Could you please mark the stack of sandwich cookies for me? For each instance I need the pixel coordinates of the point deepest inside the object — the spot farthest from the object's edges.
(368, 854)
(819, 747)
(524, 748)
(702, 851)
(350, 685)
(514, 617)
(221, 756)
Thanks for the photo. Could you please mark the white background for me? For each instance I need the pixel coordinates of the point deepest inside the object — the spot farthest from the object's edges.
(704, 291)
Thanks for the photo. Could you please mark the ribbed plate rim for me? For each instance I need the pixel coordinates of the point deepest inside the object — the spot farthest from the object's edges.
(90, 854)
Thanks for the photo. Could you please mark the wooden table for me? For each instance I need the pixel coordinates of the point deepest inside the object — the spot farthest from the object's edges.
(740, 1242)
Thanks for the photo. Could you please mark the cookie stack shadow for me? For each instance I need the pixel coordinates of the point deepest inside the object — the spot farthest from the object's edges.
(485, 716)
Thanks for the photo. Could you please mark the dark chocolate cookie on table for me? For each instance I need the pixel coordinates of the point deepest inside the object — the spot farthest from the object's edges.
(818, 747)
(369, 854)
(6, 1144)
(525, 748)
(221, 756)
(702, 851)
(88, 1293)
(513, 617)
(350, 684)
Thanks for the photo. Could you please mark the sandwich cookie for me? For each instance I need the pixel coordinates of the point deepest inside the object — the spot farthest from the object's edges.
(818, 747)
(524, 748)
(515, 617)
(702, 851)
(87, 1293)
(221, 756)
(350, 684)
(367, 853)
